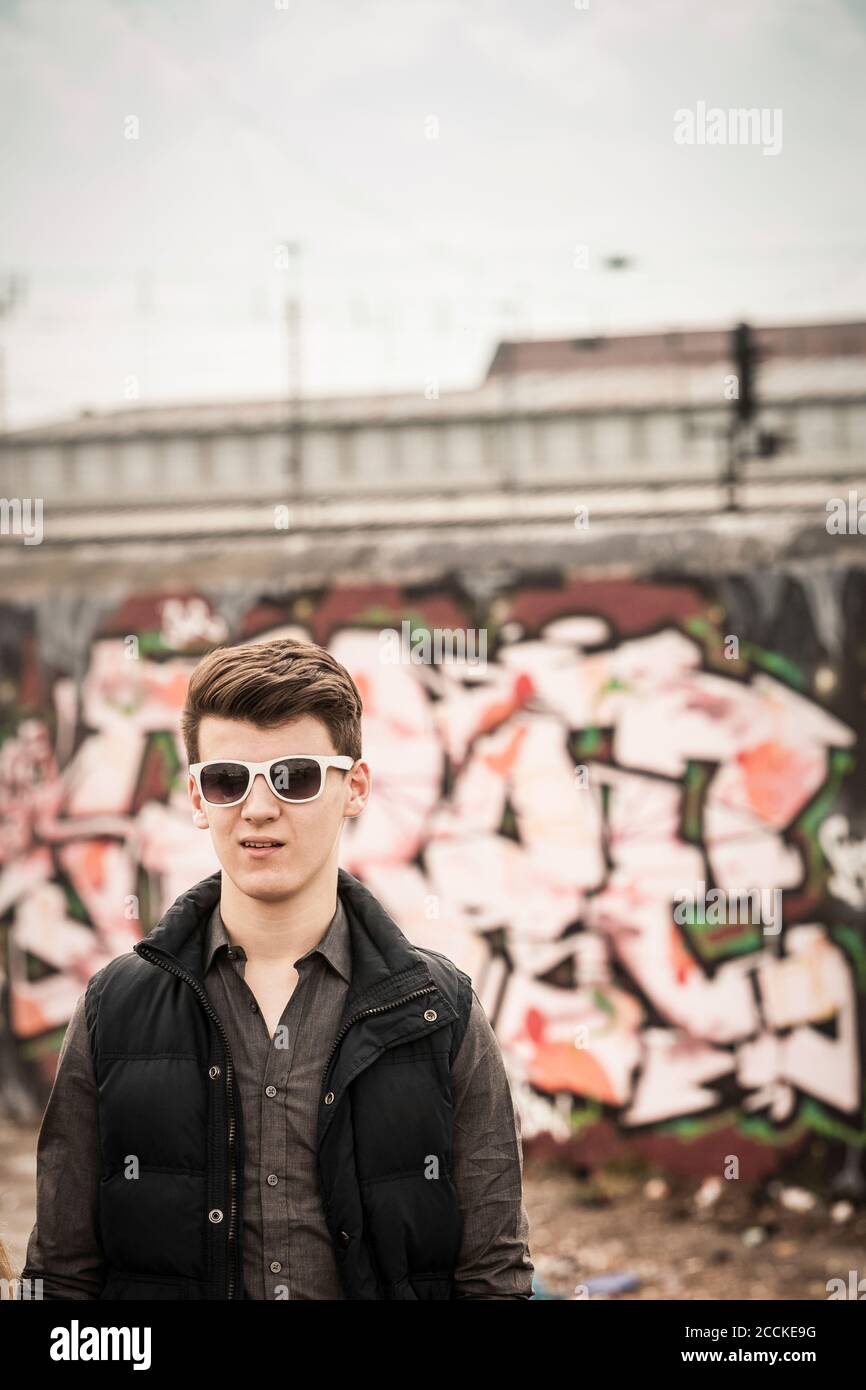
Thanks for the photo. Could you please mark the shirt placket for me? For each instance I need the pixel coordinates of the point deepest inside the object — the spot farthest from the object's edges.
(275, 1191)
(273, 1128)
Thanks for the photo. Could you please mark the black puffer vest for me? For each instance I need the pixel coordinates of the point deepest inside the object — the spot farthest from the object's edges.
(169, 1112)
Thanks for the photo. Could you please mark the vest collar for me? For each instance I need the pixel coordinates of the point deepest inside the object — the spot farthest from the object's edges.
(387, 971)
(385, 964)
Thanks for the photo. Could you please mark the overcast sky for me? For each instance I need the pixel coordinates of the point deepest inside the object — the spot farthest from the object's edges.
(440, 163)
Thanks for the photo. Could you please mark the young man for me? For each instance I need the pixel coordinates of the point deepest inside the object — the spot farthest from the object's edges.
(275, 1094)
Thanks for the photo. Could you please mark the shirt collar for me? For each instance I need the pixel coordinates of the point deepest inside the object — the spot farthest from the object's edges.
(335, 945)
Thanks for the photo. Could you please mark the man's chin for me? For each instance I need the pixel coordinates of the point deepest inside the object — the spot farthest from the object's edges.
(266, 881)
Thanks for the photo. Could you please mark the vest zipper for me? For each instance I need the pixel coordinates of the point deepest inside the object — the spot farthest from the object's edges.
(152, 956)
(380, 1009)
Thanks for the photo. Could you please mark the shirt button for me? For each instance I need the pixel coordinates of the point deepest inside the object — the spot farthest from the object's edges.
(254, 1008)
(344, 1238)
(275, 1266)
(329, 1098)
(272, 1179)
(270, 1091)
(431, 1015)
(214, 1073)
(215, 1216)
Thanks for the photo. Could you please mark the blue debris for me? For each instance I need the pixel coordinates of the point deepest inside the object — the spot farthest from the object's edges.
(612, 1283)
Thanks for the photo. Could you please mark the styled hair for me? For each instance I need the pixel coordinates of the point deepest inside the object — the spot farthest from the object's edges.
(268, 683)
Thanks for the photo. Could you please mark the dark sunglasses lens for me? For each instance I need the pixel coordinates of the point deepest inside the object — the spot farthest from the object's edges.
(222, 783)
(296, 779)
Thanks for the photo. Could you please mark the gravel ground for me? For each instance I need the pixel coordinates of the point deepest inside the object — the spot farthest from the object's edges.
(684, 1239)
(680, 1238)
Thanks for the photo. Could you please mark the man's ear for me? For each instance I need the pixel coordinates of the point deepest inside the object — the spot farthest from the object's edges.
(360, 780)
(199, 814)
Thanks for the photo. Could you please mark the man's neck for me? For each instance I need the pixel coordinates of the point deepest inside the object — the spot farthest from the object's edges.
(283, 930)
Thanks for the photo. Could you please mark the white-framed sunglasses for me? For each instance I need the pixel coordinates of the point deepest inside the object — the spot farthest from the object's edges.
(294, 777)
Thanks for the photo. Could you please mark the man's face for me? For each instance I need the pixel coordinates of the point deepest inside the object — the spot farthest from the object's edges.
(307, 834)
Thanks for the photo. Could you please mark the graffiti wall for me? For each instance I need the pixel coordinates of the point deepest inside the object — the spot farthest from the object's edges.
(569, 819)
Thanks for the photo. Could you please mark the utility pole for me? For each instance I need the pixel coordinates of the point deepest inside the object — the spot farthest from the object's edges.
(744, 354)
(12, 292)
(294, 459)
(509, 466)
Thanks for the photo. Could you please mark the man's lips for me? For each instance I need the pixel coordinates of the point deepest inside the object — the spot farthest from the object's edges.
(260, 846)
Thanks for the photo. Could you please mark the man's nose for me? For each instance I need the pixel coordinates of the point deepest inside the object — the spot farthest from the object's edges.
(261, 800)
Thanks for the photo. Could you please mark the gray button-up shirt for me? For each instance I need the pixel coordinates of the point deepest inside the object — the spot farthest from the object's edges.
(287, 1247)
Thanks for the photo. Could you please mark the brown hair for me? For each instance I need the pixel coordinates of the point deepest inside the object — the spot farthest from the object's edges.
(269, 683)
